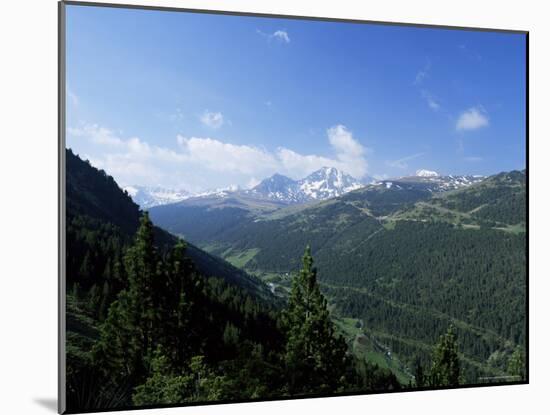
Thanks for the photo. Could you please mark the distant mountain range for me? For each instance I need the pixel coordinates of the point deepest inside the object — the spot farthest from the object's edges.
(323, 184)
(150, 196)
(147, 197)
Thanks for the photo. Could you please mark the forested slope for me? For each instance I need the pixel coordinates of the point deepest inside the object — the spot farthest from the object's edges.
(101, 218)
(406, 260)
(151, 321)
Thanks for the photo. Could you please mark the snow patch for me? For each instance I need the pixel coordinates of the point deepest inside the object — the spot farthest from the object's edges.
(426, 173)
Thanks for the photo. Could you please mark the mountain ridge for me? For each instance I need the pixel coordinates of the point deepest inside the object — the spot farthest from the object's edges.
(322, 184)
(150, 196)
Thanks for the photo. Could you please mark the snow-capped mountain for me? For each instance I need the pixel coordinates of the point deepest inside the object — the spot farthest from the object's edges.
(322, 184)
(457, 182)
(426, 173)
(147, 197)
(220, 192)
(430, 180)
(279, 188)
(326, 183)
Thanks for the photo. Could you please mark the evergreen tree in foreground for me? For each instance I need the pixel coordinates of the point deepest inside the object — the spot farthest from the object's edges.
(419, 376)
(315, 359)
(128, 334)
(516, 364)
(445, 370)
(161, 306)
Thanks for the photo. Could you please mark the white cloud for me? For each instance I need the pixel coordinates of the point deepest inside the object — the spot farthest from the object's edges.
(299, 165)
(431, 100)
(253, 182)
(349, 152)
(281, 35)
(97, 134)
(402, 162)
(130, 161)
(245, 159)
(343, 142)
(472, 119)
(226, 157)
(433, 104)
(212, 119)
(200, 163)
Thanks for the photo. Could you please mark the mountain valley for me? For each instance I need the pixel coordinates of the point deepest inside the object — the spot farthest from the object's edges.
(404, 256)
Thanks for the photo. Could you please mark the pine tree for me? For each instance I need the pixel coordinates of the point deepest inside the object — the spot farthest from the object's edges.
(86, 268)
(141, 264)
(419, 377)
(128, 334)
(315, 359)
(180, 300)
(105, 300)
(516, 364)
(231, 335)
(445, 370)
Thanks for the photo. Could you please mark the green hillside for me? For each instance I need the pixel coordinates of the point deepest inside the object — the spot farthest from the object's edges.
(403, 259)
(497, 202)
(152, 320)
(221, 301)
(101, 219)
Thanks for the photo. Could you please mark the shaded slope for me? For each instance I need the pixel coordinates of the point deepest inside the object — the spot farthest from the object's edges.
(95, 201)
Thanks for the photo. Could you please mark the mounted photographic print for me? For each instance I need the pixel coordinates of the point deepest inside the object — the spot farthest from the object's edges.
(258, 207)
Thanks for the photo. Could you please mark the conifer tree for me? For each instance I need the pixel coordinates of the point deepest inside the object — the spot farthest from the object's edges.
(419, 376)
(516, 364)
(180, 300)
(445, 370)
(86, 268)
(315, 359)
(127, 336)
(141, 263)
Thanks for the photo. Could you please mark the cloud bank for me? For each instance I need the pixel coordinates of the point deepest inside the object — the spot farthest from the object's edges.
(200, 163)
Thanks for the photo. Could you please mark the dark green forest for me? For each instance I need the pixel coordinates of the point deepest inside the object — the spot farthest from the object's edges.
(404, 261)
(147, 325)
(152, 319)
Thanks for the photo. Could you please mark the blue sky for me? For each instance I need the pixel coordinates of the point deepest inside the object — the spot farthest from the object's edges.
(198, 101)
